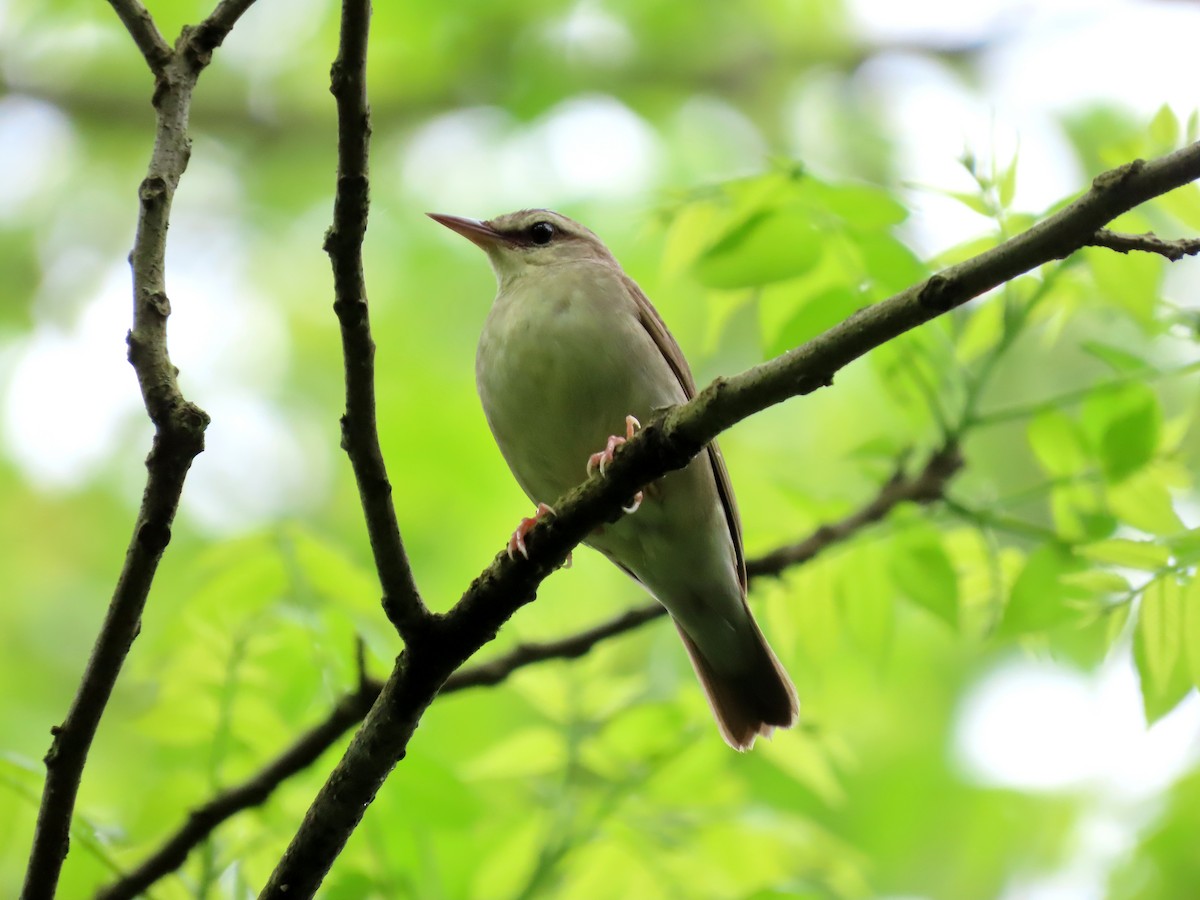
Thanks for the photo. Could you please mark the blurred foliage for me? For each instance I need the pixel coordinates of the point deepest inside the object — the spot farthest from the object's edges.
(1073, 391)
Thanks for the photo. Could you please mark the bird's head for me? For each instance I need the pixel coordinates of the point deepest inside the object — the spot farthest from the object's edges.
(519, 241)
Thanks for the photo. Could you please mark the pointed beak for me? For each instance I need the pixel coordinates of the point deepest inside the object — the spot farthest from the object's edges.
(479, 233)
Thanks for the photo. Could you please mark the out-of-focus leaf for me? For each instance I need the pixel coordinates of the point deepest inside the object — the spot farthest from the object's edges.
(531, 751)
(1121, 360)
(771, 245)
(1158, 645)
(1164, 129)
(1184, 204)
(1041, 598)
(1006, 183)
(1185, 547)
(983, 329)
(433, 794)
(864, 207)
(1079, 513)
(1057, 443)
(815, 315)
(866, 597)
(889, 264)
(1130, 281)
(922, 569)
(1124, 424)
(1190, 600)
(805, 761)
(1144, 502)
(1128, 554)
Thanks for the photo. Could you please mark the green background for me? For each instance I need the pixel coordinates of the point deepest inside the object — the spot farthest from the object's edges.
(1065, 548)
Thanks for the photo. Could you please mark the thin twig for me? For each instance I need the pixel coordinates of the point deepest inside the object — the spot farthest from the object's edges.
(1147, 243)
(923, 487)
(178, 438)
(360, 435)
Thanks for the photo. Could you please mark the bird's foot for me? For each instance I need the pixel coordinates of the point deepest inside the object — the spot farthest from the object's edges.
(605, 456)
(516, 543)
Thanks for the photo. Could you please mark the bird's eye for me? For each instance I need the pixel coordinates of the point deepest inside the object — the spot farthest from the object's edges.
(541, 232)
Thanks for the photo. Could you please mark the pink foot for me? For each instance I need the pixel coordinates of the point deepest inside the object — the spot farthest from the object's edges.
(516, 543)
(605, 456)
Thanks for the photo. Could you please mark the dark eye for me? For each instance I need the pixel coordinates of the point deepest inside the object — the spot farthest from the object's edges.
(541, 232)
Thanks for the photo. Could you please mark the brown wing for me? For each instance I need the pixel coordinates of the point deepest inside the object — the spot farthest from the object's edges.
(657, 329)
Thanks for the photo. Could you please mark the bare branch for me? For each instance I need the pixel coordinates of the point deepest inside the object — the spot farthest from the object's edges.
(178, 438)
(925, 486)
(1147, 243)
(665, 444)
(360, 435)
(140, 25)
(211, 33)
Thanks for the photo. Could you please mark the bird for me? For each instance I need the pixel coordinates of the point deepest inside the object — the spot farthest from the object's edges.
(570, 351)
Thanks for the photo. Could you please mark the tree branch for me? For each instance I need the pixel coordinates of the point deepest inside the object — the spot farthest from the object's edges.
(925, 486)
(360, 436)
(668, 443)
(1147, 243)
(178, 431)
(140, 25)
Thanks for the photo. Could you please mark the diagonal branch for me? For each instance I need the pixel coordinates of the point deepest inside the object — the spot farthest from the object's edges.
(140, 25)
(360, 436)
(925, 486)
(178, 438)
(666, 444)
(1147, 243)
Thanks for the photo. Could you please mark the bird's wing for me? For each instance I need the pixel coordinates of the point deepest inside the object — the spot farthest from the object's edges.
(657, 329)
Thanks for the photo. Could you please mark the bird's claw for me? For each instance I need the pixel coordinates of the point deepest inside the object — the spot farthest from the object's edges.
(516, 543)
(604, 457)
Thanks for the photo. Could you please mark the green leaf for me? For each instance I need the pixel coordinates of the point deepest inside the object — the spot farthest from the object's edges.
(865, 595)
(890, 265)
(923, 571)
(1006, 184)
(973, 202)
(1190, 599)
(1144, 502)
(770, 245)
(1185, 547)
(813, 316)
(1164, 129)
(1184, 204)
(1079, 513)
(1041, 595)
(1057, 443)
(1129, 281)
(1129, 554)
(1125, 424)
(863, 207)
(1122, 361)
(983, 329)
(1158, 645)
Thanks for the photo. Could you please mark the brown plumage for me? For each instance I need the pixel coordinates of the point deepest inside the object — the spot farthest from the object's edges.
(570, 348)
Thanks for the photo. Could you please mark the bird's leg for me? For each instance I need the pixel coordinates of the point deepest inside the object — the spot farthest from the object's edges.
(604, 457)
(516, 543)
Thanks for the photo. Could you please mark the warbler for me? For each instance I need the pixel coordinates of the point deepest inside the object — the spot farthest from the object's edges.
(573, 351)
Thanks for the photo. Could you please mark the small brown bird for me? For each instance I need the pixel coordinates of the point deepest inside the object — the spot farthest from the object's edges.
(572, 350)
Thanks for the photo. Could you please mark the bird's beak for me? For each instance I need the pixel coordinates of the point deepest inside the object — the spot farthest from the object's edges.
(479, 233)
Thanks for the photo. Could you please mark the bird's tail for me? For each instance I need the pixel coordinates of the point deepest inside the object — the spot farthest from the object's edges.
(752, 698)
